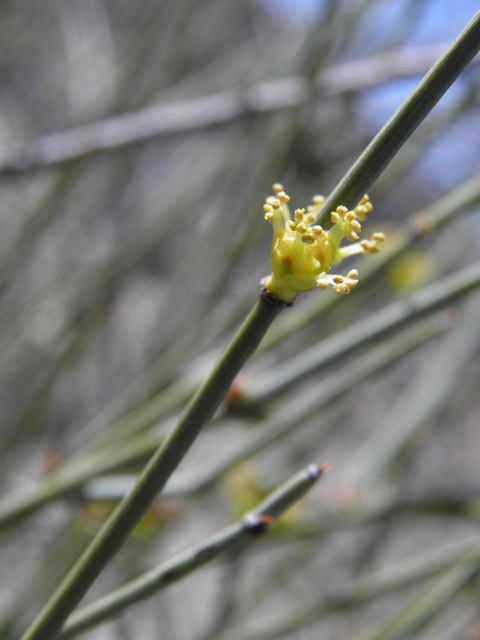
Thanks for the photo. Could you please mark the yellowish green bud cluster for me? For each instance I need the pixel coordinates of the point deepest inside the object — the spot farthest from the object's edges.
(303, 255)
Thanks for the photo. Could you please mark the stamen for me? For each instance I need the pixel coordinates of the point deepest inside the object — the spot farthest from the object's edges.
(335, 217)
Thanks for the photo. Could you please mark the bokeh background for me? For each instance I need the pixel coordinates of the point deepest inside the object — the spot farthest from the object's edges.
(138, 141)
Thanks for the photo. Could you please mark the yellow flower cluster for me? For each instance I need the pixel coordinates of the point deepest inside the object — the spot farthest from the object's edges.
(303, 255)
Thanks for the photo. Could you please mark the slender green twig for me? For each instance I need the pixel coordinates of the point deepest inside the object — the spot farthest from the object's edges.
(464, 505)
(362, 589)
(224, 106)
(420, 610)
(322, 354)
(73, 474)
(300, 408)
(404, 122)
(429, 391)
(249, 527)
(128, 513)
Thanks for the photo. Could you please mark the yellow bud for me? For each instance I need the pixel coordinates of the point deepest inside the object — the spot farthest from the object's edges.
(303, 255)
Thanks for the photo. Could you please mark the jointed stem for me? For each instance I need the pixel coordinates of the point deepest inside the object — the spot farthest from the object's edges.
(193, 558)
(153, 478)
(403, 123)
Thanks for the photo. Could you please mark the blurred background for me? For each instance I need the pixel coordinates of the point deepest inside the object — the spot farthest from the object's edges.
(138, 142)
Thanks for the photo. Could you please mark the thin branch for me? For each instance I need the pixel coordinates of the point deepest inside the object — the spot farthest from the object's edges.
(223, 106)
(249, 527)
(403, 123)
(156, 473)
(72, 475)
(361, 590)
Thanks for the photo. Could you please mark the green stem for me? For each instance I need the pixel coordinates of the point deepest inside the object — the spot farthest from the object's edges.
(422, 609)
(360, 590)
(395, 315)
(156, 473)
(293, 413)
(72, 475)
(194, 557)
(404, 122)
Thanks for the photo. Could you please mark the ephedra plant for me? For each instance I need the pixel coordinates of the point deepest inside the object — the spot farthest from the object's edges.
(307, 252)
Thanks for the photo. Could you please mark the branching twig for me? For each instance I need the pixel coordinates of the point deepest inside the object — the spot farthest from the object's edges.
(128, 513)
(221, 107)
(243, 531)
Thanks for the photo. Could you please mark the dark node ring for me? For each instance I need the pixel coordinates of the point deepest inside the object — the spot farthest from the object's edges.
(270, 300)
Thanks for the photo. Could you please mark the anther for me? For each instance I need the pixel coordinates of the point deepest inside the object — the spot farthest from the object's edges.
(352, 236)
(283, 197)
(335, 218)
(277, 187)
